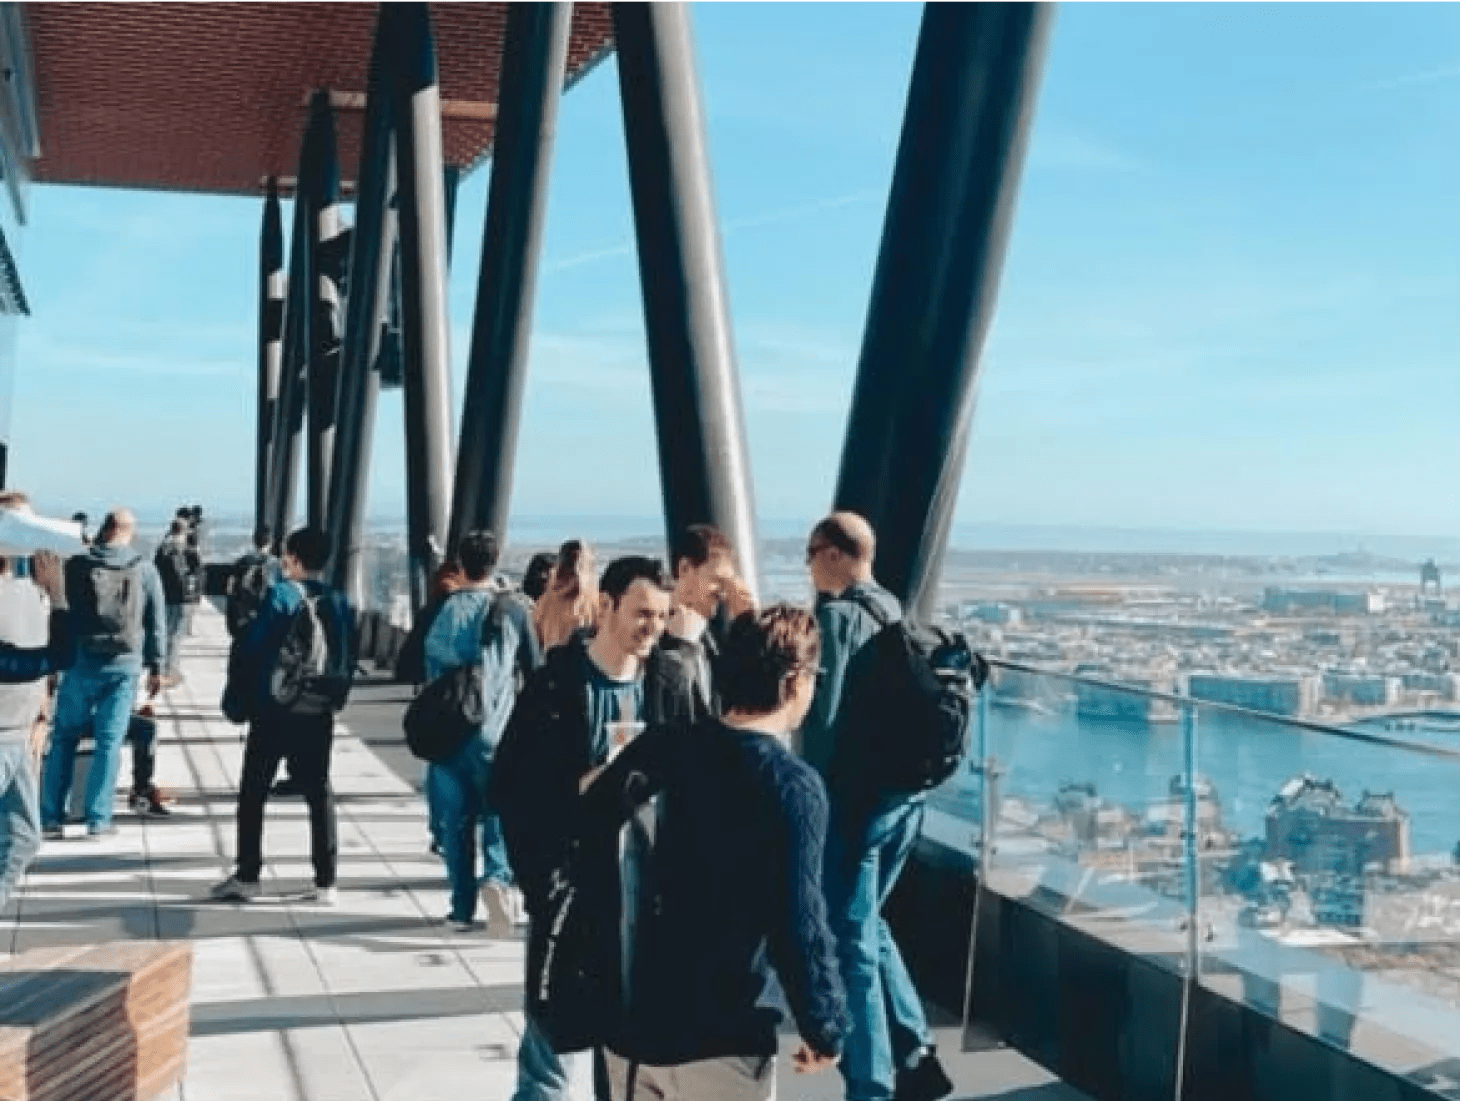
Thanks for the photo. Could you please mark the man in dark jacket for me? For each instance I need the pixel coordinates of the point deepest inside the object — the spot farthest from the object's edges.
(275, 733)
(174, 569)
(705, 584)
(585, 696)
(721, 893)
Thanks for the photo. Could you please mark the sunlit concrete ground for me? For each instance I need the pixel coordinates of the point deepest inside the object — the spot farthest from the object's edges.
(372, 999)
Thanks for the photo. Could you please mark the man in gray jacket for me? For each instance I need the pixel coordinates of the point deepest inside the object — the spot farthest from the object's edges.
(20, 670)
(116, 598)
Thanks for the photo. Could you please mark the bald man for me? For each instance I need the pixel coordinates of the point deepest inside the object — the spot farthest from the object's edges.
(117, 608)
(889, 1050)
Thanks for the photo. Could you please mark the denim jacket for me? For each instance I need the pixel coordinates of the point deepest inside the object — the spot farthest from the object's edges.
(506, 657)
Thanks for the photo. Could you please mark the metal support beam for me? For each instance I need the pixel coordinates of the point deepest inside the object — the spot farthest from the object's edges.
(424, 330)
(451, 184)
(326, 262)
(294, 372)
(969, 112)
(703, 463)
(534, 57)
(373, 247)
(271, 331)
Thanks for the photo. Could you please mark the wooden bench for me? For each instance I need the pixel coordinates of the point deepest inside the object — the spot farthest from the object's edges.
(106, 1022)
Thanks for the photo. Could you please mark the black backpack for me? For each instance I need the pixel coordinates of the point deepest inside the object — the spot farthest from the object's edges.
(906, 711)
(452, 707)
(112, 600)
(311, 672)
(247, 589)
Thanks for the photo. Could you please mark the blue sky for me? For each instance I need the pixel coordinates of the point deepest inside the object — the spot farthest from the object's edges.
(1231, 301)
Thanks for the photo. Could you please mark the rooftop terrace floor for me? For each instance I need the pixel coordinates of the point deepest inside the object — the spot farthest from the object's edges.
(371, 1000)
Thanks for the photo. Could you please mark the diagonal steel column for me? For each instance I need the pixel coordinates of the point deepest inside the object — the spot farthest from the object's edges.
(425, 344)
(703, 463)
(372, 249)
(326, 262)
(294, 372)
(271, 331)
(969, 112)
(533, 61)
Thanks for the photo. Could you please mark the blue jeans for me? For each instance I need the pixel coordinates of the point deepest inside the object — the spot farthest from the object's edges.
(20, 826)
(544, 1075)
(459, 801)
(176, 617)
(98, 695)
(865, 853)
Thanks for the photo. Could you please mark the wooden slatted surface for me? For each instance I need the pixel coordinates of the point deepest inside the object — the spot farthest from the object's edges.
(101, 1023)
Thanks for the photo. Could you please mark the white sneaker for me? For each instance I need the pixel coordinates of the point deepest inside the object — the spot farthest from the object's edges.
(499, 909)
(234, 889)
(323, 896)
(518, 907)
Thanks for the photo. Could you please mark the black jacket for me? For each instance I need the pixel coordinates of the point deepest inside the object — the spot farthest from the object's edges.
(547, 748)
(708, 695)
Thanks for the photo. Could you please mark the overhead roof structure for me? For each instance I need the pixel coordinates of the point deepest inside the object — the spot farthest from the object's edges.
(214, 97)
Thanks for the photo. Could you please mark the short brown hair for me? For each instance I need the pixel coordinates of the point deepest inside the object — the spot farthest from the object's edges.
(697, 544)
(760, 651)
(848, 533)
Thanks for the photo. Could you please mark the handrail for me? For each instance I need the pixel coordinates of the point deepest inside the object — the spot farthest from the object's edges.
(1233, 709)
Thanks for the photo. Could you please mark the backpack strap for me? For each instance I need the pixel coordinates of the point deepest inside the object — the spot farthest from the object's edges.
(870, 606)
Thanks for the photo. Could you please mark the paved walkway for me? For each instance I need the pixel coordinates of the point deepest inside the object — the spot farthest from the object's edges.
(372, 1000)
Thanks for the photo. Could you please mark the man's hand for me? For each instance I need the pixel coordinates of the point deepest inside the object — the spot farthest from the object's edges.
(154, 684)
(47, 573)
(807, 1061)
(738, 597)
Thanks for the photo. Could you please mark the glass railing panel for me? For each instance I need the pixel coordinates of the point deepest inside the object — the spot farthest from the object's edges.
(1330, 891)
(1084, 791)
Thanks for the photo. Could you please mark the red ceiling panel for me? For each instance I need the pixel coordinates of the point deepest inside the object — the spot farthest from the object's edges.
(213, 97)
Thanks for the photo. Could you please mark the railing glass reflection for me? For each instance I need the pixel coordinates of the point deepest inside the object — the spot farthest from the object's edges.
(1309, 872)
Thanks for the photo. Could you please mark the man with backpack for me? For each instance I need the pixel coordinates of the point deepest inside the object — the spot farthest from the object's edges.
(477, 625)
(175, 572)
(116, 600)
(289, 674)
(249, 582)
(889, 1050)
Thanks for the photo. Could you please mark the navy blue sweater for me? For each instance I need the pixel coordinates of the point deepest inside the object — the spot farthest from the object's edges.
(735, 902)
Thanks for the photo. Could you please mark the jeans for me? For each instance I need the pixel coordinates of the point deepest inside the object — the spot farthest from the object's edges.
(97, 696)
(458, 786)
(306, 741)
(176, 618)
(20, 826)
(142, 733)
(865, 854)
(544, 1075)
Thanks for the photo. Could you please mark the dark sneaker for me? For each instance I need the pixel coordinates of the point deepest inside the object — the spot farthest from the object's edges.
(285, 788)
(234, 889)
(53, 833)
(96, 833)
(924, 1080)
(151, 803)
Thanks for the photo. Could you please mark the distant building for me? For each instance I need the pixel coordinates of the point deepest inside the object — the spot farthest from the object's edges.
(1429, 575)
(1308, 824)
(1364, 689)
(1285, 695)
(1001, 615)
(1441, 684)
(1288, 601)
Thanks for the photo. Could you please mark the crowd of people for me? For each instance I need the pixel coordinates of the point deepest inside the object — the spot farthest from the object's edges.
(661, 779)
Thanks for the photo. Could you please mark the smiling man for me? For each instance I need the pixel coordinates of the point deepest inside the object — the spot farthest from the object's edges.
(558, 734)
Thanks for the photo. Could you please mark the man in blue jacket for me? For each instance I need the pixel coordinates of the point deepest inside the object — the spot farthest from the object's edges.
(720, 910)
(304, 736)
(116, 600)
(478, 624)
(889, 1049)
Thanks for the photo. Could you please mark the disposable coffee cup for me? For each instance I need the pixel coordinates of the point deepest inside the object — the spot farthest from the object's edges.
(621, 733)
